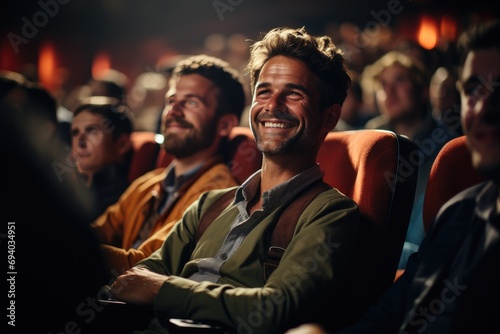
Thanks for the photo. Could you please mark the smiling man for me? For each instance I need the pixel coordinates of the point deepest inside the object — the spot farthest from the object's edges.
(299, 83)
(205, 101)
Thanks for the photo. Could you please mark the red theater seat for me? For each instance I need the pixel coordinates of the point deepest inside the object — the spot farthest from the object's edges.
(451, 173)
(371, 167)
(145, 151)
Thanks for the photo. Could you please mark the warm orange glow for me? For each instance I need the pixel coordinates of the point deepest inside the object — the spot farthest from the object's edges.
(47, 65)
(427, 33)
(100, 64)
(448, 28)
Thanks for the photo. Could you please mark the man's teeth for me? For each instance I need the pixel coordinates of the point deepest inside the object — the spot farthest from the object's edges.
(274, 125)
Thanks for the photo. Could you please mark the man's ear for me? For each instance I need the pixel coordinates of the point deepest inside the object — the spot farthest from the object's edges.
(123, 144)
(226, 123)
(331, 117)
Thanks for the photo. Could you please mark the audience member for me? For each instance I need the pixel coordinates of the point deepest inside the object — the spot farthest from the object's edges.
(203, 104)
(39, 108)
(401, 86)
(299, 83)
(111, 83)
(102, 149)
(445, 99)
(35, 108)
(451, 284)
(430, 58)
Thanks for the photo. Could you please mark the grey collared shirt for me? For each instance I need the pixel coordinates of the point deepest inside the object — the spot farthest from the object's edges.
(209, 268)
(170, 186)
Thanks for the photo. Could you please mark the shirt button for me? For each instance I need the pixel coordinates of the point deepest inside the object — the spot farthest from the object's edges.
(223, 256)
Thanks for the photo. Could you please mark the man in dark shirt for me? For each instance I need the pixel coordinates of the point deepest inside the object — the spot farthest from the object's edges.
(451, 285)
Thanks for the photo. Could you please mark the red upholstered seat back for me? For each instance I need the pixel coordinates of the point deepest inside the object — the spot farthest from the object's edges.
(362, 164)
(451, 173)
(371, 167)
(144, 153)
(243, 156)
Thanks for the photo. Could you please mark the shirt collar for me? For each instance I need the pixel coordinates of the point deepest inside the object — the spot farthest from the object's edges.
(486, 201)
(175, 182)
(283, 192)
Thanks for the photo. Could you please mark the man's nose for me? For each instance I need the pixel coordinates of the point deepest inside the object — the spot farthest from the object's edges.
(275, 102)
(82, 141)
(175, 109)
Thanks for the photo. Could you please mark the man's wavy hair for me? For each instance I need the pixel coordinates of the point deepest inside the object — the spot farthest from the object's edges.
(319, 53)
(231, 98)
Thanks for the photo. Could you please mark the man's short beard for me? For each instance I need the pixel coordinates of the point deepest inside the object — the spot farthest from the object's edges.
(196, 141)
(290, 145)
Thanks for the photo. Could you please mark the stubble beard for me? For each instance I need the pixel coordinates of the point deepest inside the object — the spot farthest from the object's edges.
(290, 145)
(193, 142)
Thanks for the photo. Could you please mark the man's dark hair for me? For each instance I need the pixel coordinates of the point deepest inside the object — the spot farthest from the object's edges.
(43, 101)
(115, 113)
(320, 55)
(477, 37)
(32, 102)
(231, 98)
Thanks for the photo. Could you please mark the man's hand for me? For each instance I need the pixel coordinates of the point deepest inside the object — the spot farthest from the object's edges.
(307, 329)
(137, 286)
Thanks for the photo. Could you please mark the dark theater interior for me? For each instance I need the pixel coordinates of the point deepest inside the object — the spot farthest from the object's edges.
(57, 270)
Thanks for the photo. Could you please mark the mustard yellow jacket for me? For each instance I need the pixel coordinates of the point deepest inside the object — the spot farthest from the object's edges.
(119, 226)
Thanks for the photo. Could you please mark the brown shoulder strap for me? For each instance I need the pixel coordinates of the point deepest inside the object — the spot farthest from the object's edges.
(283, 231)
(214, 211)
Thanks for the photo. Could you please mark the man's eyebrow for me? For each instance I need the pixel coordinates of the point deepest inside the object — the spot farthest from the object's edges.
(199, 97)
(262, 85)
(473, 79)
(297, 86)
(169, 95)
(288, 85)
(193, 95)
(487, 80)
(87, 126)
